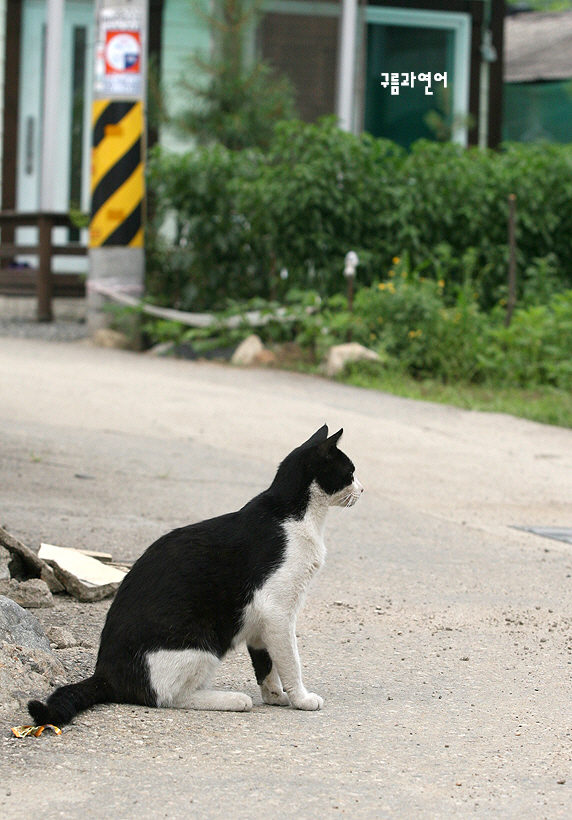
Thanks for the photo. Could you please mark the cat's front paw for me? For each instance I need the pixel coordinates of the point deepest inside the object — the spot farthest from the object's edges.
(311, 702)
(274, 696)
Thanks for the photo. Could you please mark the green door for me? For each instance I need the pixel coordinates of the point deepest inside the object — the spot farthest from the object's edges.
(414, 46)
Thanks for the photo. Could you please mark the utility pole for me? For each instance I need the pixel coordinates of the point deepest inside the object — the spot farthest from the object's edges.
(347, 64)
(488, 56)
(116, 234)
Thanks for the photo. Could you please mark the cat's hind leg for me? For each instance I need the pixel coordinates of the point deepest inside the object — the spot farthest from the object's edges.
(268, 678)
(180, 679)
(216, 701)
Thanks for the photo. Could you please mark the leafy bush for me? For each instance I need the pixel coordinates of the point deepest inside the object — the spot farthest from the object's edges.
(458, 199)
(207, 259)
(245, 218)
(535, 349)
(321, 192)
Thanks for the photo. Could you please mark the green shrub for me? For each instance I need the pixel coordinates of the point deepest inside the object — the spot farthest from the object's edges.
(257, 224)
(320, 193)
(208, 260)
(535, 349)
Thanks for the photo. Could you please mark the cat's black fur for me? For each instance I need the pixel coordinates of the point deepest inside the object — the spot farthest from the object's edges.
(200, 589)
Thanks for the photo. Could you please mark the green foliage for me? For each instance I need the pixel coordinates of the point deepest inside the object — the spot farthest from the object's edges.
(208, 260)
(319, 193)
(245, 218)
(535, 349)
(415, 325)
(234, 101)
(459, 198)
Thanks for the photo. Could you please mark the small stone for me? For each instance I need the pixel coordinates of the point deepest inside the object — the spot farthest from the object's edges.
(62, 638)
(340, 355)
(247, 351)
(162, 349)
(265, 357)
(105, 337)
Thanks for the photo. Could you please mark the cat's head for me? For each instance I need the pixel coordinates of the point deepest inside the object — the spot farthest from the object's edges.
(334, 471)
(319, 461)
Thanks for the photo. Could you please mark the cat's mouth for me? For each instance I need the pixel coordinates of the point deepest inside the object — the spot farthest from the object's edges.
(348, 496)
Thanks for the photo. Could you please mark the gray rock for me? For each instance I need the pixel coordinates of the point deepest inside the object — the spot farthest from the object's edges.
(5, 558)
(34, 565)
(30, 594)
(339, 355)
(27, 665)
(162, 349)
(26, 673)
(20, 627)
(247, 351)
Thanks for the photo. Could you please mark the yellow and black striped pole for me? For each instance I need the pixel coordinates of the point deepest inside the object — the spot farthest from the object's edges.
(117, 176)
(116, 231)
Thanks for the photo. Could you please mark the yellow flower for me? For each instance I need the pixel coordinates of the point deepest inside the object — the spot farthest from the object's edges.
(391, 273)
(391, 287)
(413, 334)
(441, 283)
(396, 260)
(381, 286)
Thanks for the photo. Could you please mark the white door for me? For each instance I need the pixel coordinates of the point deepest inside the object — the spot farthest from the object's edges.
(74, 115)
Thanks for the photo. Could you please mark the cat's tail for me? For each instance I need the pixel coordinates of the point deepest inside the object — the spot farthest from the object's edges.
(66, 701)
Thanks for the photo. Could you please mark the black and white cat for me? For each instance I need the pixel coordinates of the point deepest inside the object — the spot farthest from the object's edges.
(203, 589)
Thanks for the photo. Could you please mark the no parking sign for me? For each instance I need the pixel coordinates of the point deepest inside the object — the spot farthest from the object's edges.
(123, 52)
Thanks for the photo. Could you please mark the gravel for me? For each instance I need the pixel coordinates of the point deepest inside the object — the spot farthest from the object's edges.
(57, 331)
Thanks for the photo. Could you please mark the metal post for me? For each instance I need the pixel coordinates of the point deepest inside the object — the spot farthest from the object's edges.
(44, 282)
(488, 56)
(49, 151)
(511, 300)
(351, 262)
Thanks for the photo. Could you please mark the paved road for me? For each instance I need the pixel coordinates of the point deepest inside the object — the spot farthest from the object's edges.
(439, 636)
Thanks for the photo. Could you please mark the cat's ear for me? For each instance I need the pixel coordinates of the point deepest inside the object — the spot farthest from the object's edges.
(318, 437)
(327, 446)
(333, 440)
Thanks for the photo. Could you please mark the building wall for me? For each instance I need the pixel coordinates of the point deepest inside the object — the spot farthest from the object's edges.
(183, 34)
(2, 75)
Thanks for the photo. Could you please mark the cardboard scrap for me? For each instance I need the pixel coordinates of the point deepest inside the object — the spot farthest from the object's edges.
(104, 557)
(84, 577)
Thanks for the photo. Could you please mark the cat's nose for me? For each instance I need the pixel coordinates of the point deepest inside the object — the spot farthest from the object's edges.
(358, 485)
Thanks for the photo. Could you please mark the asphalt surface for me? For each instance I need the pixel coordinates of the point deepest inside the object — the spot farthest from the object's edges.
(439, 636)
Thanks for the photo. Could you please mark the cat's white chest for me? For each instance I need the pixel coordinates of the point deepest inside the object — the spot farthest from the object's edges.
(283, 593)
(305, 550)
